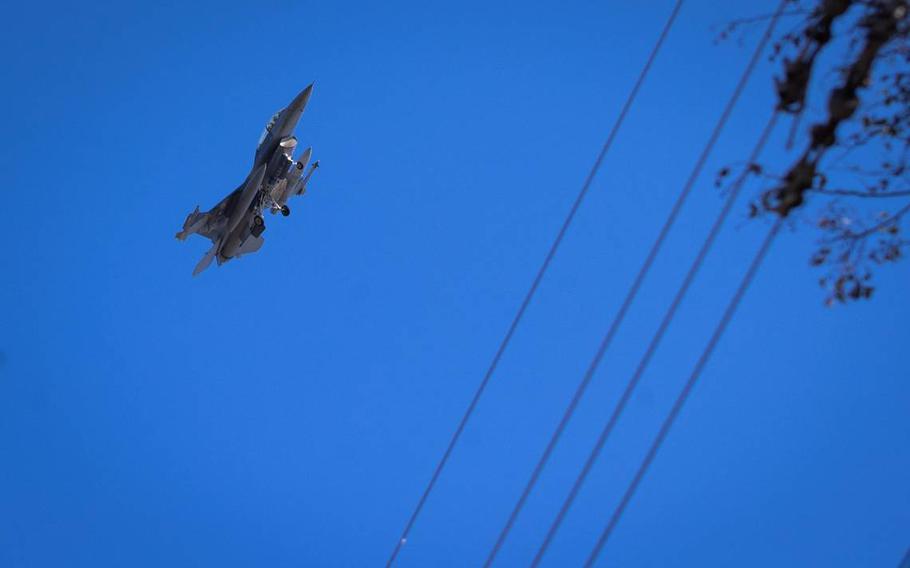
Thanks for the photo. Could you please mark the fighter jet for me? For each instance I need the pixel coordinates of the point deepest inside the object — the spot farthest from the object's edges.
(235, 225)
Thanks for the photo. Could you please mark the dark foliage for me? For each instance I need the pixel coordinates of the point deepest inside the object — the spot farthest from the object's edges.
(859, 210)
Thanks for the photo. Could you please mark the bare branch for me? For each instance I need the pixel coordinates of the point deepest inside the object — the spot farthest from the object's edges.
(863, 194)
(890, 221)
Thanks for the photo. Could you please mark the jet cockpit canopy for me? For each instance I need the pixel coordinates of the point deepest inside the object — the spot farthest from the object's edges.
(268, 127)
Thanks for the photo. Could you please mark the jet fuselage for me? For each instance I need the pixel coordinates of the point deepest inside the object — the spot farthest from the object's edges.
(235, 224)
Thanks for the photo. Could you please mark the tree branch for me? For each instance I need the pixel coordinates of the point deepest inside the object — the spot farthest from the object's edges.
(864, 194)
(891, 220)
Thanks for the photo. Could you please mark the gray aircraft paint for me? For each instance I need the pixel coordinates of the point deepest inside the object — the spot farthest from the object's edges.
(235, 224)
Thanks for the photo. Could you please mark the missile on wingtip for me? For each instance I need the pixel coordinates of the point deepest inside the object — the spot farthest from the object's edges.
(192, 224)
(300, 187)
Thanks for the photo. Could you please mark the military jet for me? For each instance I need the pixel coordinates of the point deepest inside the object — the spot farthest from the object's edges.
(235, 225)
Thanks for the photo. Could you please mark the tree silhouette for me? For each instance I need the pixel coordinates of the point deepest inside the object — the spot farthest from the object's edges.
(858, 210)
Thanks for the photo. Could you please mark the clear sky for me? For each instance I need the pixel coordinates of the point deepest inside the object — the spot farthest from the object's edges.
(287, 409)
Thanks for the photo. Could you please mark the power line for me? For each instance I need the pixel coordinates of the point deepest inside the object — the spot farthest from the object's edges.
(905, 563)
(655, 340)
(630, 296)
(853, 81)
(687, 389)
(535, 284)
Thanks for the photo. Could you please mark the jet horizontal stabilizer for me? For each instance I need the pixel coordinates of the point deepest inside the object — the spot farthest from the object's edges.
(206, 260)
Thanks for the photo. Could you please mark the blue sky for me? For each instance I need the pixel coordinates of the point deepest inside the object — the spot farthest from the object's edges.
(287, 409)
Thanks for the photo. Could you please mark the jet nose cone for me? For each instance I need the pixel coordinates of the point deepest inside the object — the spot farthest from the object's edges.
(303, 98)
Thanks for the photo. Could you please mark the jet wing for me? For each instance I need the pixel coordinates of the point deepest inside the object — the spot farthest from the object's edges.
(251, 245)
(217, 218)
(221, 219)
(210, 224)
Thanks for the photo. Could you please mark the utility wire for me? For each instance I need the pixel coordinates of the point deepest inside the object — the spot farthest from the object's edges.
(655, 340)
(687, 389)
(853, 81)
(535, 284)
(630, 296)
(905, 563)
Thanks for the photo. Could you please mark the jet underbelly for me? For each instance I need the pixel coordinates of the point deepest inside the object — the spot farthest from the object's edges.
(251, 244)
(280, 161)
